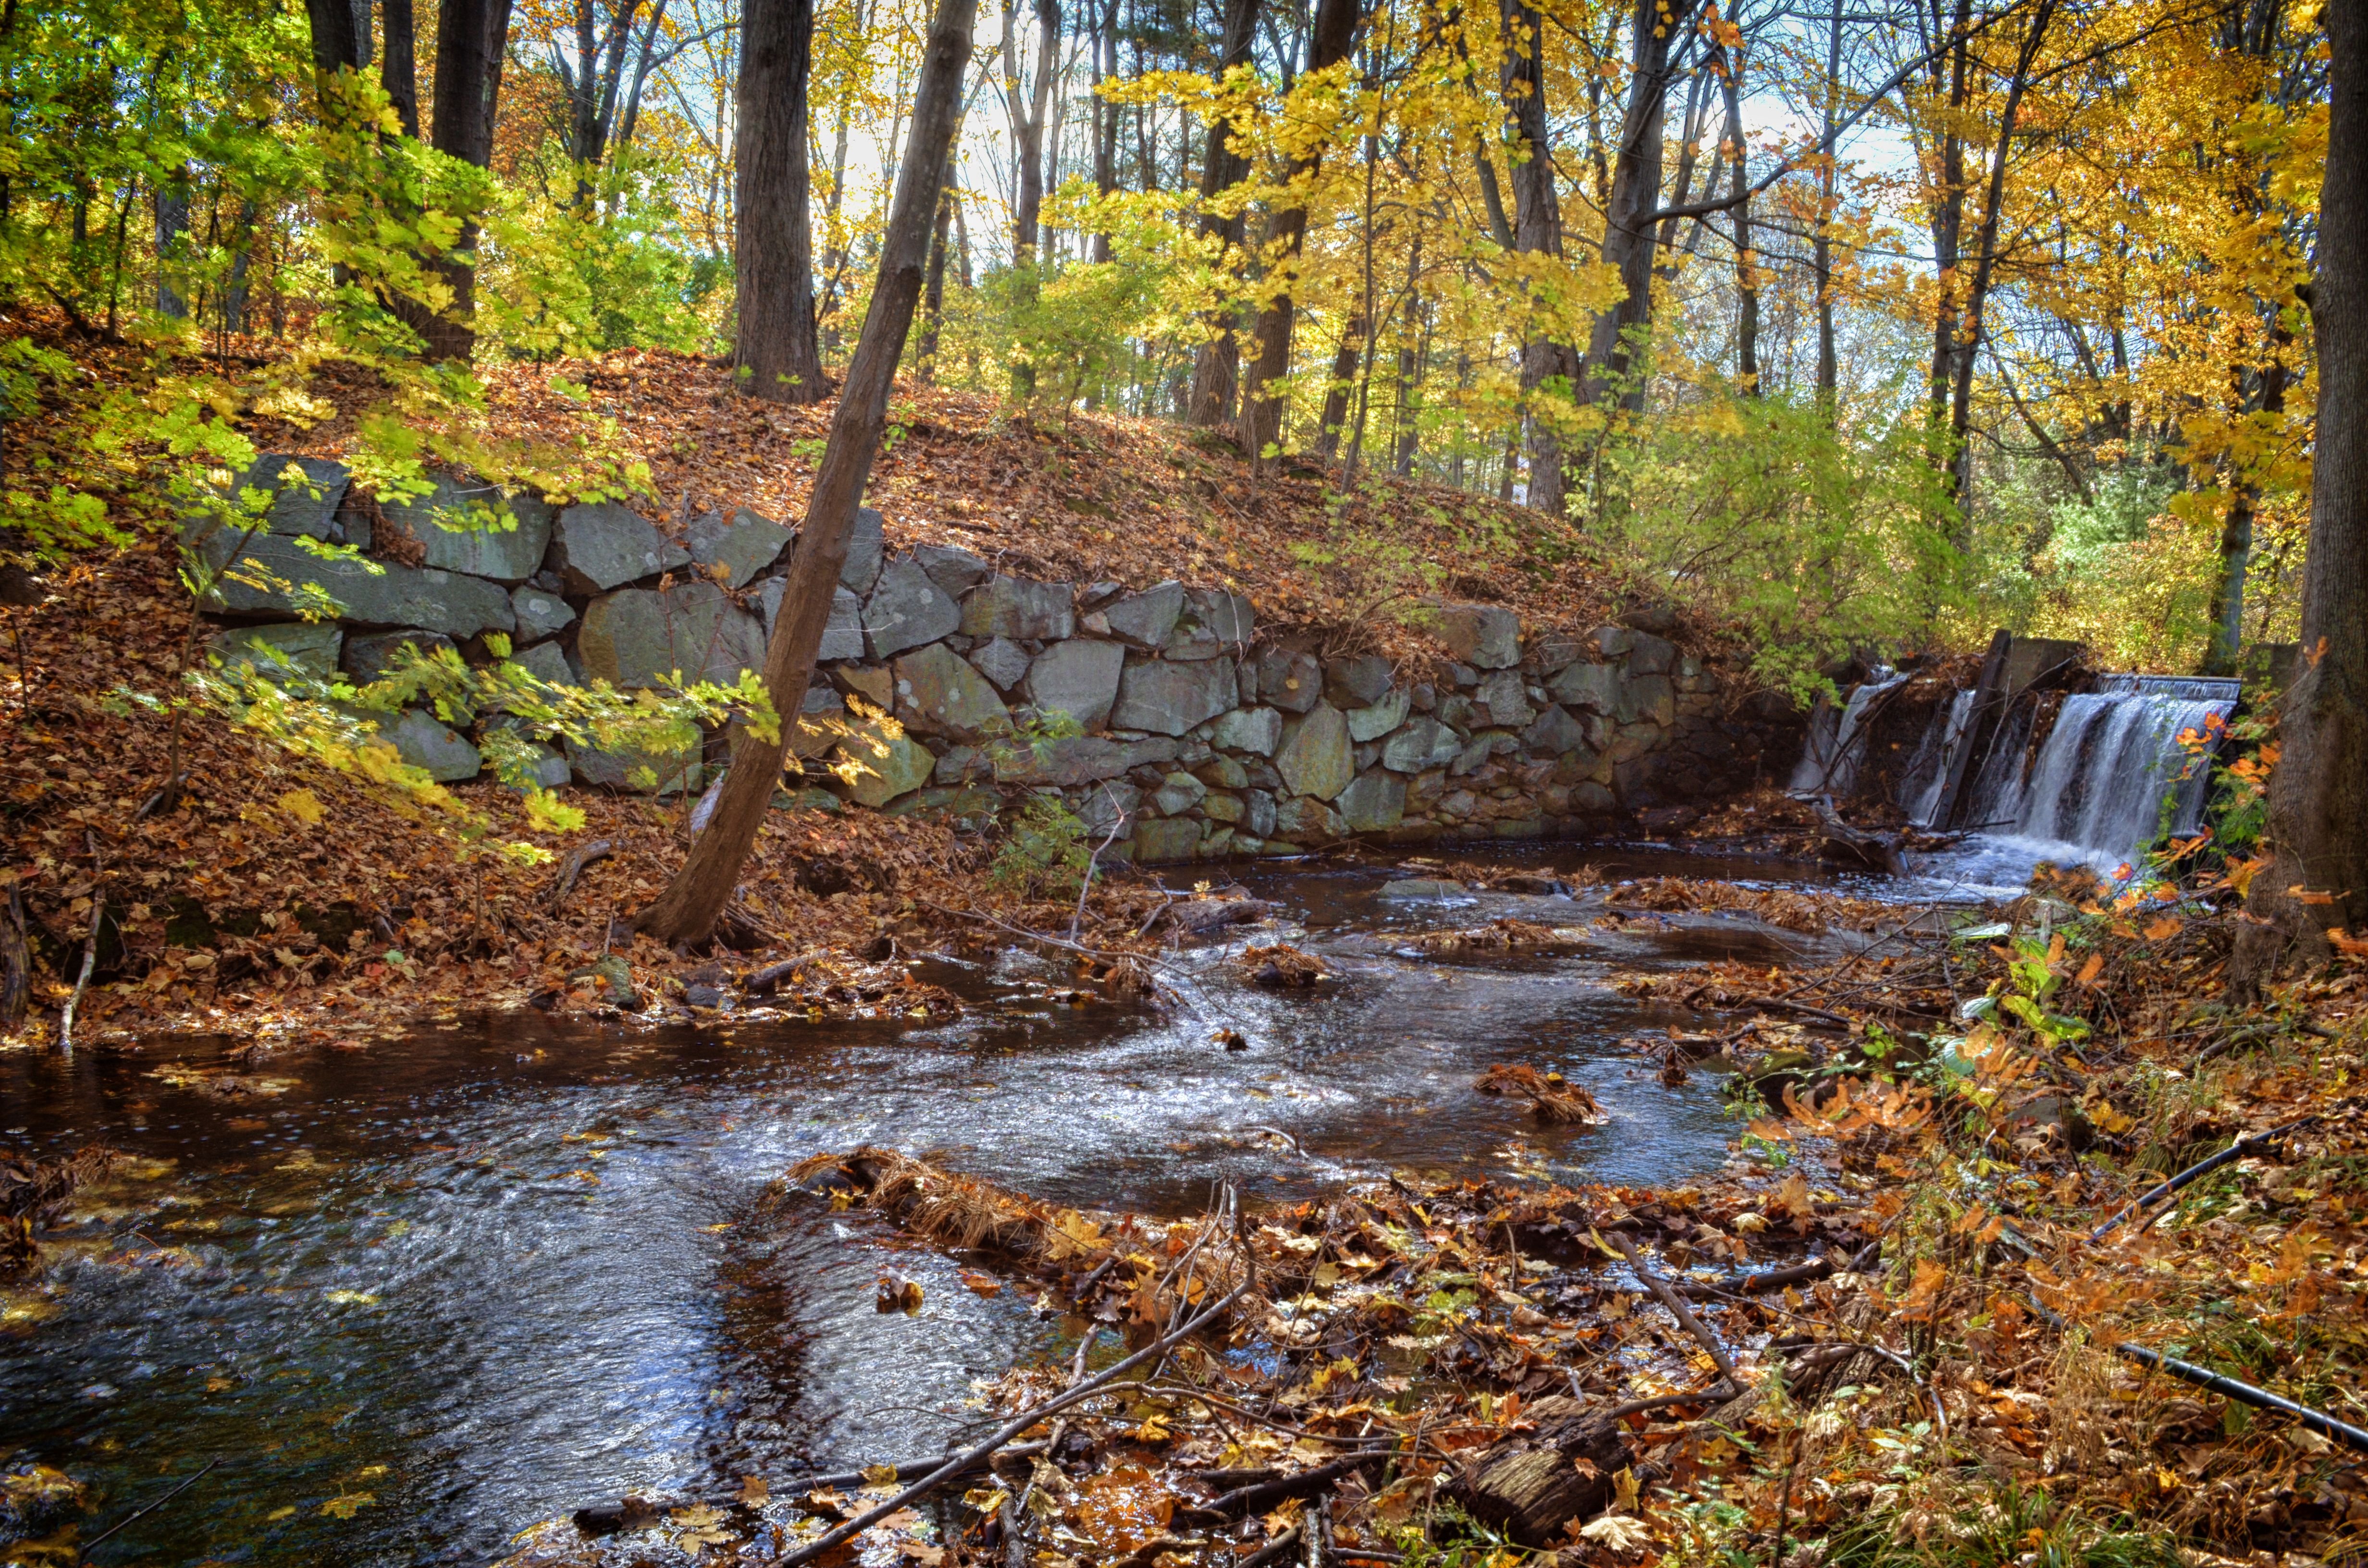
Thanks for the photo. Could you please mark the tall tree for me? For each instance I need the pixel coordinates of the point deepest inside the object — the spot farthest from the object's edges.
(1537, 231)
(1216, 363)
(398, 67)
(687, 911)
(775, 348)
(472, 36)
(1629, 236)
(1333, 41)
(2318, 794)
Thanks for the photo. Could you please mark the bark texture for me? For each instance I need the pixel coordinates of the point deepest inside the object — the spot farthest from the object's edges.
(471, 37)
(1334, 39)
(775, 348)
(2318, 794)
(1537, 229)
(1216, 367)
(687, 911)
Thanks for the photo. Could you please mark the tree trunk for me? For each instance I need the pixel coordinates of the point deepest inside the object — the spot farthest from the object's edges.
(1336, 391)
(775, 350)
(1949, 76)
(1547, 366)
(1986, 246)
(172, 228)
(2228, 633)
(471, 37)
(1028, 119)
(1746, 262)
(1530, 1486)
(1216, 365)
(398, 67)
(933, 297)
(1105, 122)
(2318, 794)
(1821, 254)
(1628, 240)
(333, 49)
(688, 910)
(1262, 411)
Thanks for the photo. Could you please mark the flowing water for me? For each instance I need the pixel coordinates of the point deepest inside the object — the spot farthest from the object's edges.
(1836, 745)
(415, 1297)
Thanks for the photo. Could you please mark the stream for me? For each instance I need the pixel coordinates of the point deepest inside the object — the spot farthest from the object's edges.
(414, 1297)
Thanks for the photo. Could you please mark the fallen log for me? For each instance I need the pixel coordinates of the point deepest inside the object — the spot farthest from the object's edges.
(572, 867)
(1855, 846)
(1531, 1484)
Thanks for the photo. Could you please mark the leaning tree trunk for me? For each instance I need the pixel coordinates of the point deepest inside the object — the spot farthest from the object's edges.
(687, 911)
(2318, 794)
(471, 38)
(775, 349)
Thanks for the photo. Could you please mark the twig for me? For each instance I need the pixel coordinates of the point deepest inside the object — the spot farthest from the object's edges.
(149, 1509)
(89, 952)
(1086, 882)
(1010, 1430)
(572, 868)
(1685, 1314)
(1274, 1550)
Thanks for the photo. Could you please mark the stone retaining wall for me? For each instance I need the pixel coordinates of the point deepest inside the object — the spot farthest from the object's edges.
(1203, 736)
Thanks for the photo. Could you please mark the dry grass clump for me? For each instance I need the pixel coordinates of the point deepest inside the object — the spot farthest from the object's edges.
(952, 1211)
(1504, 935)
(1812, 914)
(1280, 966)
(1552, 1096)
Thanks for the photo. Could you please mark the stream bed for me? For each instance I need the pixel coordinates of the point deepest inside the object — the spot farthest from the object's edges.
(412, 1298)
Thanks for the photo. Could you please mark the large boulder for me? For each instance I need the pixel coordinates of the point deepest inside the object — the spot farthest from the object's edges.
(1254, 729)
(1651, 655)
(303, 503)
(1315, 758)
(1554, 732)
(1371, 723)
(540, 614)
(952, 568)
(842, 635)
(1145, 619)
(938, 693)
(1075, 760)
(880, 762)
(1357, 682)
(1595, 688)
(739, 542)
(1292, 682)
(657, 770)
(1005, 662)
(277, 574)
(1167, 838)
(1079, 677)
(1423, 744)
(601, 545)
(1170, 699)
(866, 544)
(547, 663)
(905, 610)
(1304, 820)
(1373, 802)
(372, 658)
(1507, 699)
(639, 637)
(307, 648)
(1483, 636)
(1214, 622)
(1650, 699)
(1016, 607)
(467, 525)
(442, 752)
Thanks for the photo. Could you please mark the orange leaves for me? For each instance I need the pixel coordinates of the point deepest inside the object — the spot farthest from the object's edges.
(2163, 929)
(1923, 1289)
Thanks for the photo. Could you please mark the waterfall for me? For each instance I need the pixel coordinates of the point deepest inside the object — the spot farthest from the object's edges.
(2112, 759)
(1927, 773)
(1830, 757)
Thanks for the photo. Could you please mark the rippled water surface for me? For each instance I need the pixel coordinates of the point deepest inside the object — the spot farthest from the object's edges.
(418, 1296)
